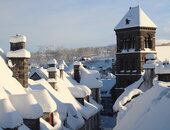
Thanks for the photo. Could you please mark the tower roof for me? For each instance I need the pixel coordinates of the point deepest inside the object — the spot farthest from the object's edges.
(135, 17)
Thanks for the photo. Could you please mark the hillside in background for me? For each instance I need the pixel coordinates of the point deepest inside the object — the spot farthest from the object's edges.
(69, 55)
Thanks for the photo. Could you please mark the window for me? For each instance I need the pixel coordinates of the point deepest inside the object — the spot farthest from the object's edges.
(148, 41)
(133, 42)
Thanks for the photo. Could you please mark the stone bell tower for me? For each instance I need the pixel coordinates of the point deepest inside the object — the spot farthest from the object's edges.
(19, 57)
(135, 35)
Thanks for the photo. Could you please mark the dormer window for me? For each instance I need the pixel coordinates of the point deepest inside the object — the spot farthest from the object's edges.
(127, 21)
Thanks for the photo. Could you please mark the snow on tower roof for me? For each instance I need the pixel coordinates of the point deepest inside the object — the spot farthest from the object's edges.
(9, 117)
(21, 53)
(44, 99)
(135, 17)
(18, 38)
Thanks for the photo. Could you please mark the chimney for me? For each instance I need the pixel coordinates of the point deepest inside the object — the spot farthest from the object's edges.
(52, 73)
(77, 71)
(61, 68)
(149, 75)
(19, 57)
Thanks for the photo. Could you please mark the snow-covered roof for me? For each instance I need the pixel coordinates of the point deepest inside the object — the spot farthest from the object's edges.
(40, 71)
(162, 68)
(44, 99)
(52, 80)
(52, 61)
(9, 117)
(90, 78)
(108, 84)
(63, 95)
(135, 17)
(148, 111)
(18, 38)
(21, 53)
(126, 95)
(26, 105)
(80, 91)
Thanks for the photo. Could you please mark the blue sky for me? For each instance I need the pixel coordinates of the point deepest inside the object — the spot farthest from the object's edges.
(74, 23)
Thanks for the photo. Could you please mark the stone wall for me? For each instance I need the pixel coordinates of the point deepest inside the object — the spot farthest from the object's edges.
(93, 123)
(96, 94)
(33, 124)
(20, 70)
(164, 77)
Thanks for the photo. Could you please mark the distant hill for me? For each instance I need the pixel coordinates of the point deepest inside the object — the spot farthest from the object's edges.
(164, 44)
(68, 55)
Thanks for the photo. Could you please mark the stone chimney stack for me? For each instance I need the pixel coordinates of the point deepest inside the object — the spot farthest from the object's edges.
(77, 71)
(61, 68)
(52, 72)
(19, 57)
(149, 67)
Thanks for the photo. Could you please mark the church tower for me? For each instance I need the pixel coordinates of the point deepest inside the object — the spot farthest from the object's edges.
(135, 35)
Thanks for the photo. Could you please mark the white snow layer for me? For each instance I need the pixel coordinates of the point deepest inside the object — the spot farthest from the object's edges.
(23, 127)
(80, 91)
(77, 63)
(150, 56)
(127, 95)
(21, 53)
(162, 68)
(90, 78)
(52, 61)
(17, 39)
(40, 71)
(137, 18)
(62, 65)
(9, 117)
(150, 64)
(52, 69)
(52, 80)
(26, 105)
(150, 111)
(44, 99)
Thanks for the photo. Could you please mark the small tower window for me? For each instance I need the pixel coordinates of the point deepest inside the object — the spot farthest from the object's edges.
(149, 42)
(127, 21)
(133, 42)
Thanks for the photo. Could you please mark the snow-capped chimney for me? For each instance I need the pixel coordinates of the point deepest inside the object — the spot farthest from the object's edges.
(52, 72)
(149, 75)
(19, 57)
(77, 71)
(61, 68)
